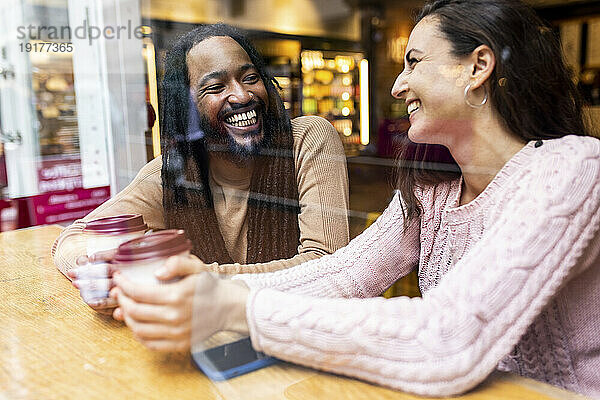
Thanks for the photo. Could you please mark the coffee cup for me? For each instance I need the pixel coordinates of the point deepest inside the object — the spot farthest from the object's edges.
(105, 234)
(138, 259)
(109, 232)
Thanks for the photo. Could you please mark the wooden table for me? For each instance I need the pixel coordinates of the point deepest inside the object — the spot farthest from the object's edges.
(53, 346)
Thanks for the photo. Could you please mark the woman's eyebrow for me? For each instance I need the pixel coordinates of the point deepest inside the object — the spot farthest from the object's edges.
(410, 52)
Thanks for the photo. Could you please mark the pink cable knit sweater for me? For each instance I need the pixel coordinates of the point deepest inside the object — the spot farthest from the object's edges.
(510, 281)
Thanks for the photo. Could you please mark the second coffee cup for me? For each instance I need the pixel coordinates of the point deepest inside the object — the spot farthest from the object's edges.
(138, 259)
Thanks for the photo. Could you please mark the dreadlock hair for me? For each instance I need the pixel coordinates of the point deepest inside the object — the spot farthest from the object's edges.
(531, 88)
(273, 231)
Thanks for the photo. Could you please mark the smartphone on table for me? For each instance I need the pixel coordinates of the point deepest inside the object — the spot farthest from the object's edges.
(231, 360)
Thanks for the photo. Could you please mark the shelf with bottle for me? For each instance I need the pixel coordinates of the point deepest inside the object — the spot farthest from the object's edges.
(55, 106)
(333, 99)
(329, 107)
(338, 86)
(330, 89)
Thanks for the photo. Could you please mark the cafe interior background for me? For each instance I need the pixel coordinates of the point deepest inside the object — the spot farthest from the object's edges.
(76, 126)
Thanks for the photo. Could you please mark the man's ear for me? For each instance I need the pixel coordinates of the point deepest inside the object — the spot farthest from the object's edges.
(483, 62)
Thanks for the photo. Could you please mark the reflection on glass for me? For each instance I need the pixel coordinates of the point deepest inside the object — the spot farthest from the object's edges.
(52, 82)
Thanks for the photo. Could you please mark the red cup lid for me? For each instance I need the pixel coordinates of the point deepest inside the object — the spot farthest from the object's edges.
(155, 245)
(117, 224)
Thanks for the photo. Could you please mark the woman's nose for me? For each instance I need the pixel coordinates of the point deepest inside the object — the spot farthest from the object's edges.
(400, 87)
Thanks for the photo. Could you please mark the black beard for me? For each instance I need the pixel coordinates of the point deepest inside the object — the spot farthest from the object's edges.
(221, 144)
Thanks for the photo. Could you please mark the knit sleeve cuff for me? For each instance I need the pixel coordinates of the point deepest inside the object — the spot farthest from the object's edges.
(252, 327)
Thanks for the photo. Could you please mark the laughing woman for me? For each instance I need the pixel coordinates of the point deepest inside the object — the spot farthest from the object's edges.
(507, 248)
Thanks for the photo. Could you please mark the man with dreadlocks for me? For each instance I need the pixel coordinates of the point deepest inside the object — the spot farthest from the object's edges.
(254, 191)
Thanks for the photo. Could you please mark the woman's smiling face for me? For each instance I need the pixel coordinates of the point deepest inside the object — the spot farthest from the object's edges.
(432, 84)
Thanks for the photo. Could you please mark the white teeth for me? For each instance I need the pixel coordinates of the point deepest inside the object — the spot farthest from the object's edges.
(413, 106)
(242, 119)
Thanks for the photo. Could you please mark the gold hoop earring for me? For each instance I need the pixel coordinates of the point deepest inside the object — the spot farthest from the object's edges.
(485, 97)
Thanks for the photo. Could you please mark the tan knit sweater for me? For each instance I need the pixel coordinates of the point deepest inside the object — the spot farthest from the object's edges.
(322, 190)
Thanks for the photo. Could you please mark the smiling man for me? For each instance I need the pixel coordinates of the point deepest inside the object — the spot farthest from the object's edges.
(230, 96)
(254, 191)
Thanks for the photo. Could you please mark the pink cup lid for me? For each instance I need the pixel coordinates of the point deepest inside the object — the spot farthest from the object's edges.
(117, 224)
(155, 245)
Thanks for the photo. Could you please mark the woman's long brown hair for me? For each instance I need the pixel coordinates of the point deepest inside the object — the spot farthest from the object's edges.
(531, 87)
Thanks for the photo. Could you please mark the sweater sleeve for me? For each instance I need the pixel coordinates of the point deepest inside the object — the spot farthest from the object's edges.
(351, 271)
(450, 340)
(322, 193)
(142, 196)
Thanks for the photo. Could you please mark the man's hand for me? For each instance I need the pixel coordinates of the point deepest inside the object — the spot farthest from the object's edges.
(93, 278)
(173, 316)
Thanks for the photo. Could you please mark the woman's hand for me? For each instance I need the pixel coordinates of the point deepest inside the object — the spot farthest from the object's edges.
(173, 316)
(179, 267)
(93, 278)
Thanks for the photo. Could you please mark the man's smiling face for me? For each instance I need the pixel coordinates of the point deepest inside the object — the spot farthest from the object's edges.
(229, 94)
